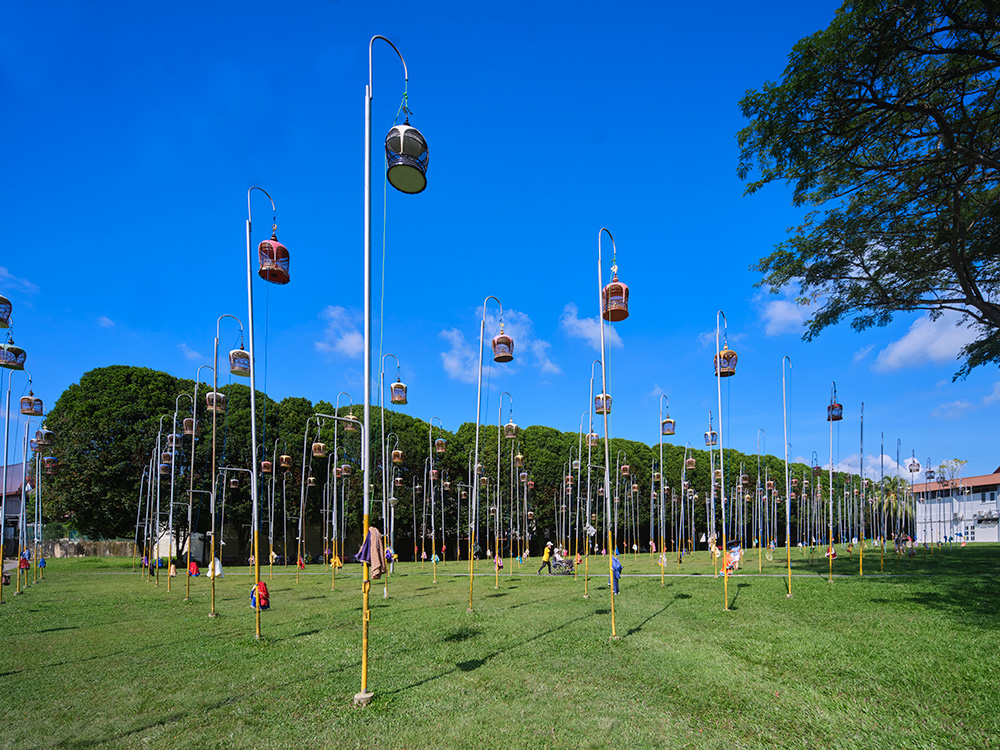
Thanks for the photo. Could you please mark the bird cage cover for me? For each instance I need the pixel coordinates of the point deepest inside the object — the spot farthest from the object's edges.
(602, 403)
(5, 308)
(668, 426)
(266, 467)
(345, 470)
(711, 438)
(31, 406)
(728, 363)
(12, 357)
(503, 348)
(615, 300)
(239, 363)
(215, 401)
(834, 413)
(439, 445)
(274, 258)
(319, 450)
(397, 393)
(625, 470)
(397, 456)
(285, 462)
(352, 423)
(510, 430)
(406, 159)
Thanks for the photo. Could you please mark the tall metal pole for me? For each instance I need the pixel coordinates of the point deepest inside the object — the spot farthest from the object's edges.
(722, 466)
(607, 439)
(788, 496)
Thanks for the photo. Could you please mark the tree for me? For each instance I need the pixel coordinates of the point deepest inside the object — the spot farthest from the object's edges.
(888, 123)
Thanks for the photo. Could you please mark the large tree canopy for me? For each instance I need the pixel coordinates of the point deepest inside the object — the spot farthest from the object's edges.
(887, 122)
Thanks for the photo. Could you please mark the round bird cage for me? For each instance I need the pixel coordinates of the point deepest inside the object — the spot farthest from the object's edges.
(592, 439)
(523, 476)
(434, 475)
(397, 456)
(5, 308)
(717, 474)
(446, 485)
(602, 403)
(266, 467)
(216, 402)
(711, 438)
(31, 406)
(406, 158)
(174, 440)
(164, 469)
(690, 463)
(531, 484)
(769, 484)
(510, 430)
(668, 426)
(439, 445)
(503, 347)
(519, 460)
(576, 464)
(834, 413)
(352, 423)
(273, 257)
(167, 457)
(239, 363)
(483, 481)
(12, 357)
(614, 299)
(744, 480)
(285, 461)
(311, 481)
(397, 393)
(656, 476)
(319, 450)
(190, 426)
(725, 362)
(234, 483)
(345, 470)
(398, 481)
(625, 470)
(913, 466)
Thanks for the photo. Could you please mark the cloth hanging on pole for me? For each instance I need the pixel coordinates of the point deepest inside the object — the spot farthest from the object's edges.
(373, 553)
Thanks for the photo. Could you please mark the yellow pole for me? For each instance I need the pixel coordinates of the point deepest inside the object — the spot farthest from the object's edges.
(256, 581)
(270, 559)
(366, 617)
(472, 542)
(611, 580)
(333, 564)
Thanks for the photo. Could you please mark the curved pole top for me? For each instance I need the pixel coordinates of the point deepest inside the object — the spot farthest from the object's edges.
(198, 373)
(499, 303)
(406, 73)
(179, 395)
(509, 398)
(601, 231)
(255, 187)
(390, 354)
(227, 315)
(664, 396)
(725, 322)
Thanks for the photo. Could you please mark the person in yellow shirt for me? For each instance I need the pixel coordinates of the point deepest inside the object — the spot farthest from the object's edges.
(546, 558)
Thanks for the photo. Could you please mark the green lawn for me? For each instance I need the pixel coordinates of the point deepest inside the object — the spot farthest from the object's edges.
(95, 656)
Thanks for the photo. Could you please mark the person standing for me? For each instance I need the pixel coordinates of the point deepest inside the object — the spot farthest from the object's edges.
(546, 559)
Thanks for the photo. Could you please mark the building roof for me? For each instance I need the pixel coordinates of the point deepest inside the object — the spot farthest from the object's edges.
(974, 483)
(15, 475)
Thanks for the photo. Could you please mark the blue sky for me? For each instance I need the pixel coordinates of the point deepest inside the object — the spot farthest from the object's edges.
(133, 131)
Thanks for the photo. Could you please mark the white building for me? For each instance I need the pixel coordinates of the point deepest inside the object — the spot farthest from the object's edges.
(964, 508)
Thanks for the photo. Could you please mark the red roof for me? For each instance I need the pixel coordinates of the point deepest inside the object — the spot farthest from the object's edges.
(974, 483)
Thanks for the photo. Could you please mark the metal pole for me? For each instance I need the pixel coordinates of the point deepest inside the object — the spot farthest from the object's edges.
(788, 497)
(607, 443)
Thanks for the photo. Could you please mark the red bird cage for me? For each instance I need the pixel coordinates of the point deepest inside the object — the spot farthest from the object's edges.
(689, 463)
(834, 412)
(614, 299)
(273, 257)
(725, 362)
(397, 393)
(531, 484)
(239, 363)
(266, 467)
(503, 347)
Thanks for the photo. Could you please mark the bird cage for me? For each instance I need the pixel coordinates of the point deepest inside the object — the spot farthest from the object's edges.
(600, 492)
(711, 438)
(744, 480)
(174, 440)
(625, 470)
(397, 393)
(393, 502)
(805, 484)
(576, 464)
(190, 426)
(31, 406)
(345, 470)
(5, 308)
(483, 481)
(690, 463)
(273, 257)
(531, 515)
(406, 158)
(593, 518)
(816, 469)
(510, 430)
(834, 413)
(747, 498)
(311, 481)
(769, 484)
(336, 472)
(167, 457)
(685, 485)
(929, 474)
(266, 467)
(614, 300)
(503, 347)
(668, 426)
(439, 445)
(592, 439)
(717, 475)
(234, 483)
(33, 445)
(656, 476)
(446, 485)
(164, 470)
(493, 511)
(463, 495)
(569, 480)
(523, 476)
(519, 460)
(725, 362)
(319, 450)
(12, 357)
(398, 481)
(913, 466)
(284, 461)
(45, 437)
(51, 464)
(397, 456)
(239, 363)
(635, 489)
(793, 496)
(434, 475)
(602, 403)
(795, 482)
(479, 468)
(352, 423)
(864, 483)
(216, 402)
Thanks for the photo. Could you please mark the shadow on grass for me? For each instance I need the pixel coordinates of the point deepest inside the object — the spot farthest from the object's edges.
(53, 630)
(462, 634)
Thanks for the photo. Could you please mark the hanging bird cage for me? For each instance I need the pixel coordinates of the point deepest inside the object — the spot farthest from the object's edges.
(569, 480)
(656, 476)
(483, 481)
(690, 463)
(744, 480)
(510, 430)
(336, 472)
(592, 439)
(625, 470)
(439, 445)
(319, 450)
(600, 492)
(816, 469)
(33, 445)
(576, 464)
(711, 438)
(685, 485)
(795, 482)
(493, 511)
(216, 402)
(393, 502)
(725, 362)
(31, 406)
(190, 426)
(479, 469)
(769, 484)
(717, 475)
(45, 437)
(345, 470)
(166, 457)
(174, 440)
(614, 299)
(531, 515)
(234, 483)
(805, 484)
(164, 469)
(602, 403)
(531, 484)
(266, 467)
(668, 426)
(793, 496)
(398, 481)
(239, 363)
(914, 466)
(285, 462)
(929, 474)
(397, 393)
(352, 423)
(747, 498)
(503, 347)
(635, 489)
(463, 495)
(406, 158)
(5, 308)
(834, 413)
(446, 485)
(12, 357)
(397, 456)
(434, 475)
(523, 476)
(311, 481)
(519, 460)
(273, 257)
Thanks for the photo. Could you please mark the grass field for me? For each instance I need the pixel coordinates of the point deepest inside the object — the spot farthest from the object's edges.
(96, 656)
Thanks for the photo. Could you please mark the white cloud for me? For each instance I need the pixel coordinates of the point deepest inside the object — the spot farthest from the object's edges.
(860, 354)
(994, 396)
(540, 350)
(953, 409)
(656, 391)
(10, 281)
(587, 328)
(927, 341)
(875, 465)
(707, 338)
(460, 359)
(105, 322)
(783, 316)
(188, 352)
(342, 335)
